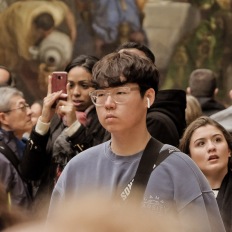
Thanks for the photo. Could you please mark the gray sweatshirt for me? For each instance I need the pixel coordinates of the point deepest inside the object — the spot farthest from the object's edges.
(176, 185)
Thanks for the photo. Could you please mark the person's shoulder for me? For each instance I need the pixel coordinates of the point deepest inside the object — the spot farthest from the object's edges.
(180, 166)
(180, 161)
(176, 156)
(4, 162)
(224, 118)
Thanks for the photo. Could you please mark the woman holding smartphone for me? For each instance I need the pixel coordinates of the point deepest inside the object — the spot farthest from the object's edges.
(63, 131)
(210, 146)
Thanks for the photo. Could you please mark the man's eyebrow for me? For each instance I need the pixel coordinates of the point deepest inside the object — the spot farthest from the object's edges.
(21, 102)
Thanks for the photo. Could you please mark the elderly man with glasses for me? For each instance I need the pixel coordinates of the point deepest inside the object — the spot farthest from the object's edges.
(15, 120)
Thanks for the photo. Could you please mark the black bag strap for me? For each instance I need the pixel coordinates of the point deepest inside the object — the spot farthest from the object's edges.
(150, 159)
(147, 162)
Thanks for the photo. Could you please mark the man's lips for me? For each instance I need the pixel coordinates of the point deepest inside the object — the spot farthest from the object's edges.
(213, 157)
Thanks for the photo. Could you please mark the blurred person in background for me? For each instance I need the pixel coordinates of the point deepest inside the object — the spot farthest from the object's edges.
(6, 77)
(203, 86)
(15, 120)
(36, 111)
(115, 22)
(9, 215)
(166, 116)
(62, 132)
(193, 109)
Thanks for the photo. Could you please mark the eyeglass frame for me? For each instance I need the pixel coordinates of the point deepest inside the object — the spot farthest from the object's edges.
(108, 92)
(25, 106)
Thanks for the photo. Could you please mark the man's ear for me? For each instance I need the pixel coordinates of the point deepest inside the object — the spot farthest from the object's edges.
(188, 90)
(149, 97)
(3, 119)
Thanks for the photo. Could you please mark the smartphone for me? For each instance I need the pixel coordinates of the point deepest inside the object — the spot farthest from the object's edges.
(59, 81)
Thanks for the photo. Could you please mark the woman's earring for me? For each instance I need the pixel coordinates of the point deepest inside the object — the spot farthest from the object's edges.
(148, 103)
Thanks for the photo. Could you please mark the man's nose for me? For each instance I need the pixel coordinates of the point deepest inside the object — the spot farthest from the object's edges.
(109, 101)
(28, 110)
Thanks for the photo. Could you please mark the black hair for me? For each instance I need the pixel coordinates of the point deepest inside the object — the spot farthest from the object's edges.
(44, 21)
(149, 54)
(116, 69)
(85, 61)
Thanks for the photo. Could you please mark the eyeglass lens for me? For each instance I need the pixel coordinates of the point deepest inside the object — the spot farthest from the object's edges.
(119, 95)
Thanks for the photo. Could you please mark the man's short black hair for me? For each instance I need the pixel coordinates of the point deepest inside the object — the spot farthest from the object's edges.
(44, 21)
(149, 54)
(116, 69)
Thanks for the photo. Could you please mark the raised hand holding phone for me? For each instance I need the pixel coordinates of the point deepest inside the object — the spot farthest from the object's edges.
(66, 109)
(49, 101)
(59, 82)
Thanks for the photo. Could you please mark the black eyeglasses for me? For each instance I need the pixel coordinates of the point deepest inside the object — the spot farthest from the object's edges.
(24, 107)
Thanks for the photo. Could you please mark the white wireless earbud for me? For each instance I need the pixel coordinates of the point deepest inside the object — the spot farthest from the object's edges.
(148, 103)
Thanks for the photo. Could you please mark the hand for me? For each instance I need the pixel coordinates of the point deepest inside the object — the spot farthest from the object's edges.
(48, 103)
(67, 109)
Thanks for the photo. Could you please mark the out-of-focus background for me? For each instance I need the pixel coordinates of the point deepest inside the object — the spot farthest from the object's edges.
(184, 35)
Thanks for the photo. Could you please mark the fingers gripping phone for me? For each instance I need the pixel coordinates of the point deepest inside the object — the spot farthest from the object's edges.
(59, 82)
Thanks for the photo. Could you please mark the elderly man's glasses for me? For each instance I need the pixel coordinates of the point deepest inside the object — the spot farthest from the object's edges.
(119, 95)
(24, 107)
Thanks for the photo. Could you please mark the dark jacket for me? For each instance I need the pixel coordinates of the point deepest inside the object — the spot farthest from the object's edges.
(210, 106)
(10, 177)
(224, 200)
(166, 117)
(39, 162)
